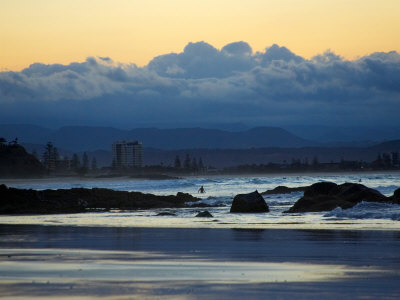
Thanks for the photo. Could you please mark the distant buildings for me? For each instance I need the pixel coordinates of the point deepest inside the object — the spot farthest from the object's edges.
(127, 154)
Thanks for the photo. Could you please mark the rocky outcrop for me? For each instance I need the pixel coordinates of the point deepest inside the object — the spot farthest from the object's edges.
(325, 196)
(165, 213)
(281, 189)
(396, 196)
(21, 201)
(249, 203)
(204, 214)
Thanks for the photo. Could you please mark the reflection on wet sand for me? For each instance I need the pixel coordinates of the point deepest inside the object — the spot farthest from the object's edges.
(137, 263)
(45, 272)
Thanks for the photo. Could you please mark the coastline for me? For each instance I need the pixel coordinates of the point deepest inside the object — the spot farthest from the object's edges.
(87, 262)
(6, 181)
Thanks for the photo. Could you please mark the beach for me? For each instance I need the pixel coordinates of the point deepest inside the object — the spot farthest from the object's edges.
(47, 262)
(166, 253)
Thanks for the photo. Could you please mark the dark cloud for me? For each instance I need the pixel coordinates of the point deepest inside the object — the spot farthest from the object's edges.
(205, 84)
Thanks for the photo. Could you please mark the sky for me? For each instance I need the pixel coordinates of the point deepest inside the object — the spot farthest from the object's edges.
(64, 31)
(264, 62)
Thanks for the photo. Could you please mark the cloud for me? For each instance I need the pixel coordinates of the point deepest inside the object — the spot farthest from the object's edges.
(206, 84)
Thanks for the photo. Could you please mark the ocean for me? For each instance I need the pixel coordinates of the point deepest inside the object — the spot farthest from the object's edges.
(220, 191)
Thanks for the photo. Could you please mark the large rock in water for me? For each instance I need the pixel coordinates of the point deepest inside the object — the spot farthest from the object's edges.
(396, 196)
(325, 196)
(249, 203)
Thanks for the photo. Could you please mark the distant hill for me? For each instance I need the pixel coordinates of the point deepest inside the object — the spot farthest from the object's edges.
(16, 162)
(233, 157)
(84, 138)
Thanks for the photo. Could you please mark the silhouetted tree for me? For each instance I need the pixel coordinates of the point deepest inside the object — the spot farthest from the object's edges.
(194, 164)
(50, 155)
(94, 164)
(177, 163)
(200, 164)
(186, 163)
(75, 163)
(85, 160)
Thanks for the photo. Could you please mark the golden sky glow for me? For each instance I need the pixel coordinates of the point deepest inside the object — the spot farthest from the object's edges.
(63, 31)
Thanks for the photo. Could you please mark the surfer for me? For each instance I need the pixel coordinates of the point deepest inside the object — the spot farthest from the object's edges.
(201, 190)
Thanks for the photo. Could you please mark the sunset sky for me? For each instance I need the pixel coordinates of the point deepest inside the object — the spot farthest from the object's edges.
(180, 63)
(133, 31)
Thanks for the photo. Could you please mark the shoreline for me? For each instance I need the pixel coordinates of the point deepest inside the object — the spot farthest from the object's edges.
(187, 176)
(167, 222)
(46, 262)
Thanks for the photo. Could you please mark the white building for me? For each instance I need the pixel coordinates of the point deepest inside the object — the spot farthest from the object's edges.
(127, 154)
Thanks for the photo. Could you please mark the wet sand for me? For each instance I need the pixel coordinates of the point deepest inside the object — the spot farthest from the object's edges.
(47, 262)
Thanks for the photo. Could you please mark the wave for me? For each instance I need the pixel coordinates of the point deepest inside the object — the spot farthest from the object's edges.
(213, 201)
(367, 210)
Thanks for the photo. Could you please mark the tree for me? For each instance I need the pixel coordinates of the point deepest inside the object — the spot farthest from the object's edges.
(56, 155)
(85, 160)
(177, 163)
(186, 163)
(94, 164)
(3, 141)
(194, 164)
(200, 164)
(50, 155)
(75, 163)
(315, 161)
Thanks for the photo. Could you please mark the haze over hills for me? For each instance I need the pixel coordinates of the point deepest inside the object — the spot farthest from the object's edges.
(83, 138)
(219, 148)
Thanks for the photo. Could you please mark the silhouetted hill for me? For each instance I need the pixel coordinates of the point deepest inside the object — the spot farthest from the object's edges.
(387, 146)
(85, 138)
(234, 157)
(25, 132)
(16, 162)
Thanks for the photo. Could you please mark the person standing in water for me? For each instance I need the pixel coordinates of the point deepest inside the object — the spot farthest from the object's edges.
(201, 190)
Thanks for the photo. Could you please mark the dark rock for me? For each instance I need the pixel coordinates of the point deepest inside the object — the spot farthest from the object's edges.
(204, 214)
(325, 196)
(249, 203)
(202, 205)
(321, 188)
(281, 189)
(166, 213)
(20, 201)
(396, 196)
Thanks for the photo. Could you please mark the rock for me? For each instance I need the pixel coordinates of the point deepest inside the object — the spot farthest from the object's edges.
(20, 201)
(249, 203)
(321, 188)
(281, 189)
(396, 196)
(204, 214)
(165, 213)
(325, 196)
(202, 205)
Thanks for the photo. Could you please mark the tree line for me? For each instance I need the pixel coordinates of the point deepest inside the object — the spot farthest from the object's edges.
(53, 161)
(193, 164)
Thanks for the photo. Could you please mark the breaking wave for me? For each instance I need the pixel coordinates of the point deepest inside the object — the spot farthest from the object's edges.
(367, 210)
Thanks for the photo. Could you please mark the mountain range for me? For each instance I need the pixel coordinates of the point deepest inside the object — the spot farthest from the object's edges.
(219, 148)
(84, 138)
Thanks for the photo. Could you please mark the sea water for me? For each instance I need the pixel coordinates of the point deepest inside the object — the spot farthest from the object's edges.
(220, 191)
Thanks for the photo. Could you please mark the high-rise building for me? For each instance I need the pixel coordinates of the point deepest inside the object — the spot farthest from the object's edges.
(127, 154)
